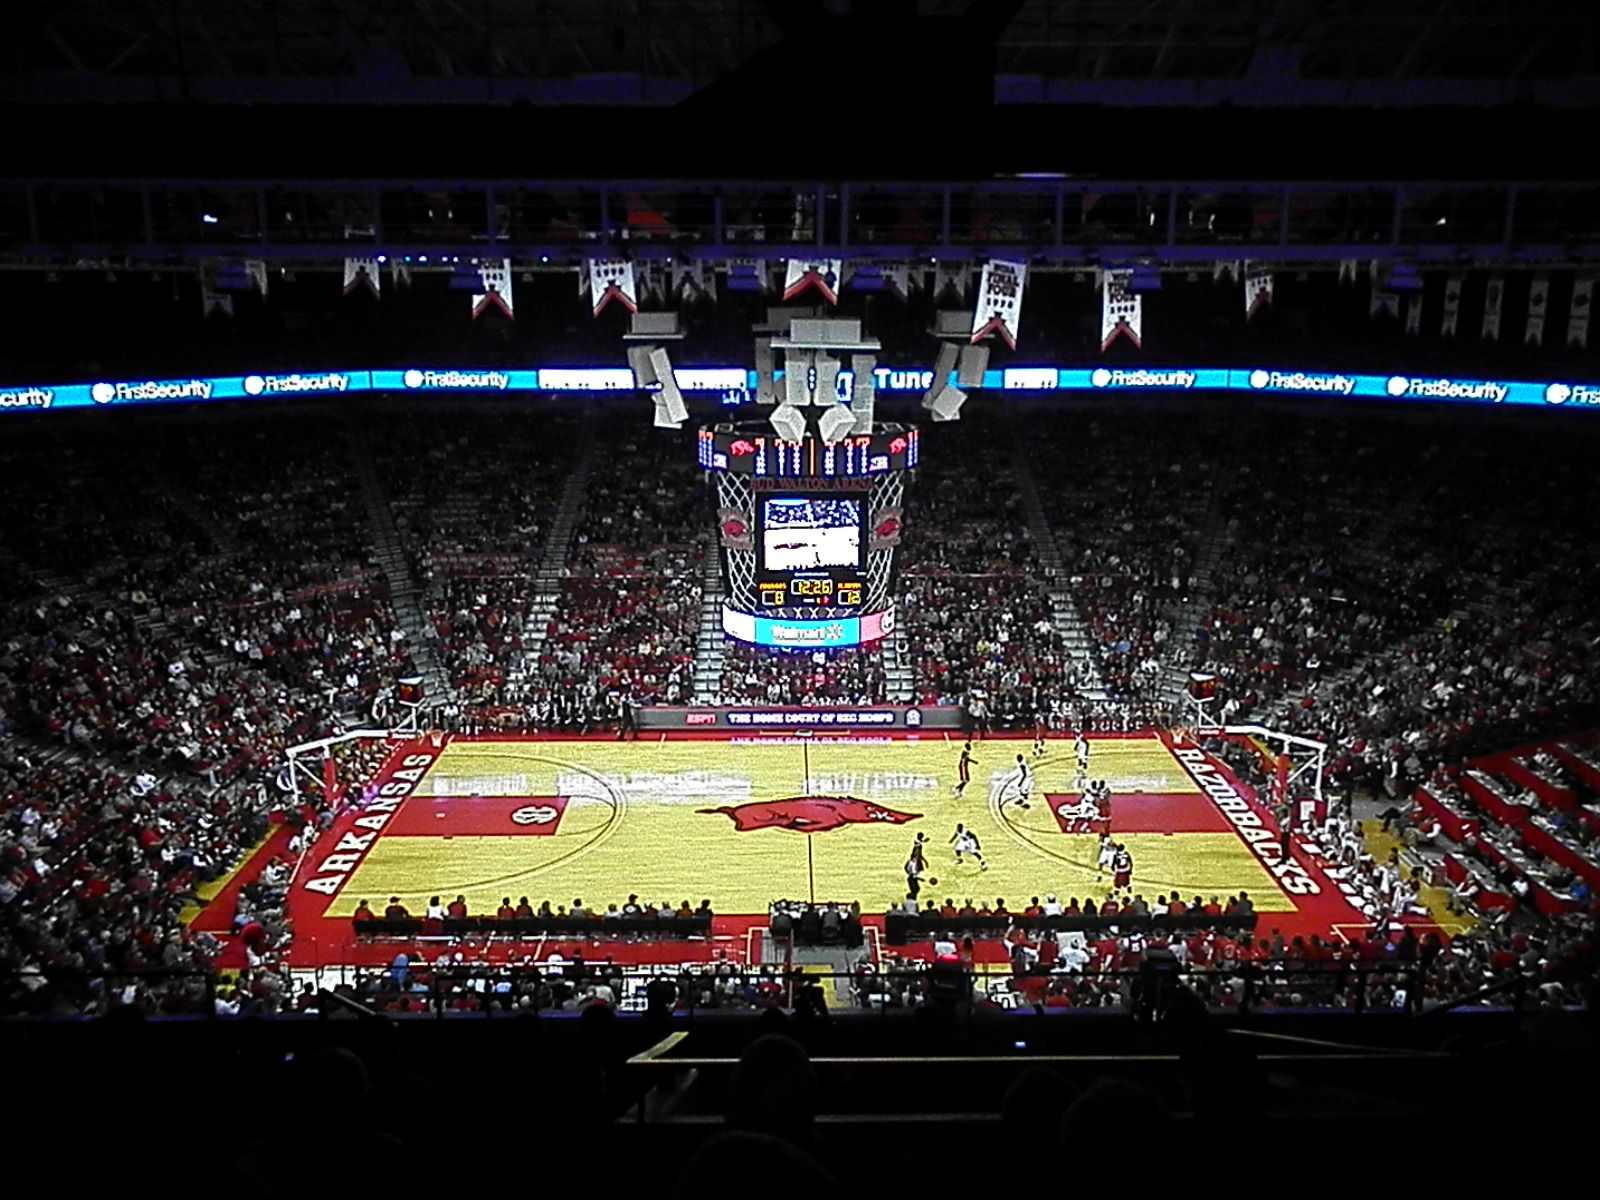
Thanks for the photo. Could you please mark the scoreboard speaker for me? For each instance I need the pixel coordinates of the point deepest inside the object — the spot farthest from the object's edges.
(947, 404)
(942, 366)
(973, 363)
(789, 422)
(766, 388)
(644, 373)
(835, 423)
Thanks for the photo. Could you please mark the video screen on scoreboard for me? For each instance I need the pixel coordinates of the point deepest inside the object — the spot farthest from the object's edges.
(810, 533)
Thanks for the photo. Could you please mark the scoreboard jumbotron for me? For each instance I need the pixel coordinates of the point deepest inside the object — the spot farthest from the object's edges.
(808, 531)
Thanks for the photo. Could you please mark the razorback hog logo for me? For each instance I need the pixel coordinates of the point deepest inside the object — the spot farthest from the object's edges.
(897, 446)
(734, 527)
(742, 447)
(888, 527)
(811, 814)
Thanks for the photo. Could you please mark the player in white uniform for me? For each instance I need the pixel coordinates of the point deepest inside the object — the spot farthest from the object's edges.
(1108, 854)
(966, 842)
(1081, 745)
(1022, 781)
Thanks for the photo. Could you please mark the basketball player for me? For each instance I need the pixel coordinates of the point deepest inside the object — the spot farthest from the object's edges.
(966, 842)
(1122, 864)
(1023, 782)
(965, 768)
(1081, 744)
(1108, 853)
(1039, 730)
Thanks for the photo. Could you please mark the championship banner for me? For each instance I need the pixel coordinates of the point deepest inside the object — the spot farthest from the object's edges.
(218, 304)
(255, 270)
(1538, 302)
(612, 279)
(1414, 313)
(822, 274)
(1452, 305)
(1347, 270)
(1493, 297)
(1383, 302)
(897, 279)
(362, 271)
(1229, 267)
(950, 275)
(652, 283)
(1578, 313)
(1121, 309)
(698, 280)
(401, 273)
(1257, 289)
(999, 308)
(496, 276)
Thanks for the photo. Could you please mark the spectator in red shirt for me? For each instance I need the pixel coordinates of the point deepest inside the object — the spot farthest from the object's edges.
(457, 909)
(505, 912)
(396, 911)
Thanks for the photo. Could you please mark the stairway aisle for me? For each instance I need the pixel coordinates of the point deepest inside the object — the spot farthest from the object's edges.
(1069, 622)
(404, 591)
(708, 646)
(552, 567)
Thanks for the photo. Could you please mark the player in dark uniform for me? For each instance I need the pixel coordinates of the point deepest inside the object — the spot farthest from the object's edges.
(964, 767)
(1122, 866)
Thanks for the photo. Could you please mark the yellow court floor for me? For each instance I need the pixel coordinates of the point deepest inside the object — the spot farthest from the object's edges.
(669, 820)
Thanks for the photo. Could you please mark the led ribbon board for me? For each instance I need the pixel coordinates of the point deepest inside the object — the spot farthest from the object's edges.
(736, 384)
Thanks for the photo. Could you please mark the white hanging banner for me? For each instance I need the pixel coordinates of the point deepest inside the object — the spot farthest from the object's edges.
(496, 276)
(1493, 297)
(1225, 266)
(1121, 309)
(362, 271)
(1414, 313)
(255, 270)
(212, 303)
(950, 275)
(1347, 270)
(1452, 305)
(400, 272)
(820, 274)
(1538, 302)
(612, 279)
(1578, 312)
(897, 278)
(1257, 289)
(696, 280)
(999, 308)
(1383, 302)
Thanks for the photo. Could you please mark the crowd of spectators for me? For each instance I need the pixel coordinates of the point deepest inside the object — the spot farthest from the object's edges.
(180, 609)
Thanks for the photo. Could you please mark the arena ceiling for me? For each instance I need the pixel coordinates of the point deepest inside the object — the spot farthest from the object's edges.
(885, 88)
(139, 49)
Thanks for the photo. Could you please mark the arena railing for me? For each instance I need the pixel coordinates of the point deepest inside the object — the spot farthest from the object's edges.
(521, 927)
(900, 928)
(714, 990)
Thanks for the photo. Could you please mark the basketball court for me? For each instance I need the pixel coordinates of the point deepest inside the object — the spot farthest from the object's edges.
(744, 822)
